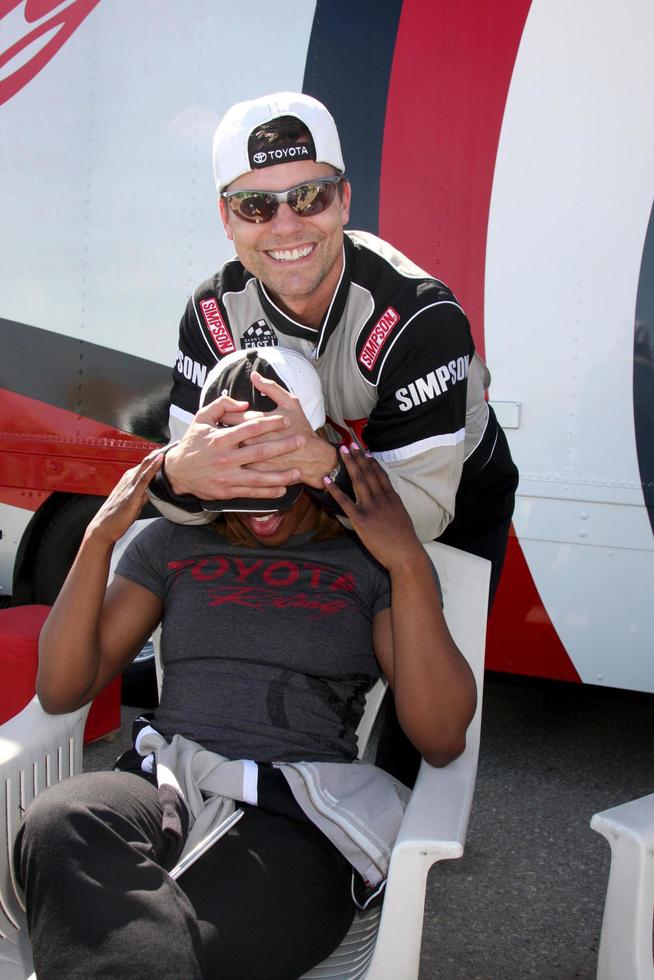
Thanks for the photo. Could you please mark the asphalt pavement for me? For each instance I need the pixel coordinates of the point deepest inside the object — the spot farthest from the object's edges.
(527, 897)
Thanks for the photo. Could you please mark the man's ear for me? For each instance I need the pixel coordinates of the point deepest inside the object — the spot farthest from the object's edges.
(225, 218)
(345, 201)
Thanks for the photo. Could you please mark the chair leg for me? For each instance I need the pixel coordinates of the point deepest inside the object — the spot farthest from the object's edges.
(397, 952)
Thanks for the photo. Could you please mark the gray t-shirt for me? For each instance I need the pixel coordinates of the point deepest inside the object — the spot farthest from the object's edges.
(267, 652)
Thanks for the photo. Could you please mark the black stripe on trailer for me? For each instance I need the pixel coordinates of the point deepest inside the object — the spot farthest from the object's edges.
(348, 68)
(127, 392)
(644, 370)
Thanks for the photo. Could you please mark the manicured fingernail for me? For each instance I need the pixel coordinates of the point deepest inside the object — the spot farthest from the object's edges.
(369, 455)
(355, 447)
(326, 481)
(345, 450)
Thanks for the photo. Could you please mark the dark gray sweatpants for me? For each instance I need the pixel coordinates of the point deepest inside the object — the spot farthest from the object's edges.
(268, 900)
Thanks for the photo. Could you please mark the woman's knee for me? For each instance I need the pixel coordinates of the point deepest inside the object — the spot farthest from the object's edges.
(47, 816)
(44, 833)
(78, 811)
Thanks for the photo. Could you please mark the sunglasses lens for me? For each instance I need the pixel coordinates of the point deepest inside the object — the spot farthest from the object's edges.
(305, 200)
(253, 207)
(311, 198)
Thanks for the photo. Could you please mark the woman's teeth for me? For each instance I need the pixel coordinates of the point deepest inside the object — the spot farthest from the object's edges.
(266, 523)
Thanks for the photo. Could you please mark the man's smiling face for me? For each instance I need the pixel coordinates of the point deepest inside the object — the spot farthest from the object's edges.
(299, 260)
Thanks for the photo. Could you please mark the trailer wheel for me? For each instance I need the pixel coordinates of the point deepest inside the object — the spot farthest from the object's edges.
(140, 680)
(57, 549)
(59, 545)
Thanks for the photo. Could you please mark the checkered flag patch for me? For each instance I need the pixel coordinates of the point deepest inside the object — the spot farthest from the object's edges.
(259, 334)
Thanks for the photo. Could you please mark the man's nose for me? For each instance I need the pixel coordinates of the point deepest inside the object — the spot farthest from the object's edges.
(285, 221)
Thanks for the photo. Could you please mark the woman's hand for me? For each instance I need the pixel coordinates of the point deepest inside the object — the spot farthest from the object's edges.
(377, 514)
(85, 640)
(125, 502)
(433, 686)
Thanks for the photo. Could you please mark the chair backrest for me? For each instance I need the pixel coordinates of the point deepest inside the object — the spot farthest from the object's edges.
(465, 581)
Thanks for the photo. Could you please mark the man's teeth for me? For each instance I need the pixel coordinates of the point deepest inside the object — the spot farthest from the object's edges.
(266, 517)
(290, 255)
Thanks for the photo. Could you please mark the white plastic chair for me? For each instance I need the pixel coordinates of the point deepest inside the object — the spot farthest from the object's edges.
(37, 750)
(626, 941)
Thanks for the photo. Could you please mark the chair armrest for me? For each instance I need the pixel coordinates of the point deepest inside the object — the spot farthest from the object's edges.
(33, 732)
(36, 750)
(434, 829)
(436, 819)
(626, 940)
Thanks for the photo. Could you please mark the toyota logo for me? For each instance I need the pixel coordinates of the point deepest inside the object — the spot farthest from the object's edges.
(260, 157)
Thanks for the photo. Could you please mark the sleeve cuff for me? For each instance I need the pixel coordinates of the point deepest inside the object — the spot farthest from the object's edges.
(162, 490)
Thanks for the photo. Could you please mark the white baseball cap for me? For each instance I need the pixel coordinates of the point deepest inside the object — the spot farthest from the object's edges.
(231, 376)
(231, 158)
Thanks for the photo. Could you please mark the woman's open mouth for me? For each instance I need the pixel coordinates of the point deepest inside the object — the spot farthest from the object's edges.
(263, 525)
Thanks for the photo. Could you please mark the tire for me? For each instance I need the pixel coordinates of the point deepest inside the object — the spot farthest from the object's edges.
(56, 552)
(59, 545)
(139, 688)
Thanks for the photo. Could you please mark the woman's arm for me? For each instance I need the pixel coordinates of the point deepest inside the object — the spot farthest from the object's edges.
(93, 632)
(433, 686)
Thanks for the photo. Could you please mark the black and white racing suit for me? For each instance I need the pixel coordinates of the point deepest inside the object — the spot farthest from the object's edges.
(399, 371)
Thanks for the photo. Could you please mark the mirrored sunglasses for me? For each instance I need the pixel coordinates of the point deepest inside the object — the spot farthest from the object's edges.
(305, 200)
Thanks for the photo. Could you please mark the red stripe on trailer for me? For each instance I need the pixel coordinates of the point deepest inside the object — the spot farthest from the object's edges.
(44, 448)
(451, 72)
(26, 499)
(521, 636)
(449, 83)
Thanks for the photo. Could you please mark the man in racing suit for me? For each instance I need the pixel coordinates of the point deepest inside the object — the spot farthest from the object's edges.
(391, 344)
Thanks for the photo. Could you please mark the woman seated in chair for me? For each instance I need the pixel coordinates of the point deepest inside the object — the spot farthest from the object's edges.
(276, 622)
